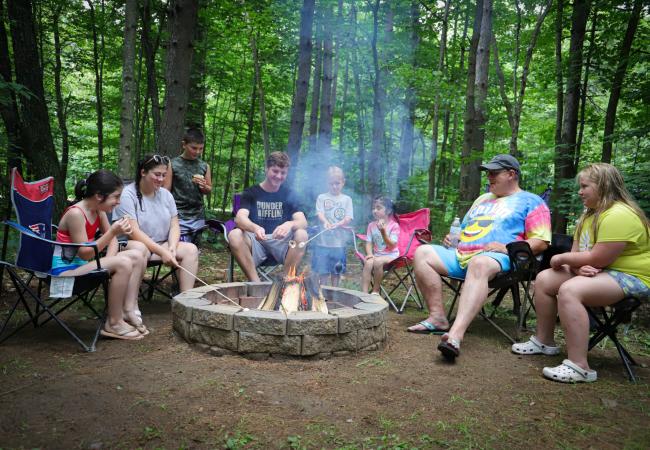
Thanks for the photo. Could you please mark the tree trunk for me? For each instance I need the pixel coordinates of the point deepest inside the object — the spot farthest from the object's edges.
(617, 81)
(559, 76)
(249, 133)
(61, 106)
(9, 108)
(474, 133)
(378, 114)
(431, 192)
(128, 89)
(197, 97)
(583, 90)
(324, 141)
(406, 141)
(565, 153)
(226, 187)
(99, 74)
(260, 94)
(315, 88)
(182, 21)
(38, 144)
(344, 102)
(149, 49)
(302, 83)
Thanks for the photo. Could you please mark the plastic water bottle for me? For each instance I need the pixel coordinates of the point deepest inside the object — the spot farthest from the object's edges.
(454, 232)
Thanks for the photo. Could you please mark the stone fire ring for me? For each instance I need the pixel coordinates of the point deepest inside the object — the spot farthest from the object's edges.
(356, 322)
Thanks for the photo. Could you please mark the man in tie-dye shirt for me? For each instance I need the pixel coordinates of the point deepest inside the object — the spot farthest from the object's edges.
(505, 214)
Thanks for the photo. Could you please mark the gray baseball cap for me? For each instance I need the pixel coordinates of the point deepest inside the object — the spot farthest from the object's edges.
(502, 161)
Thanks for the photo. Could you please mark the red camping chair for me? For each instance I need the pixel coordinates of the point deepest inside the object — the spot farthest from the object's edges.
(34, 204)
(413, 227)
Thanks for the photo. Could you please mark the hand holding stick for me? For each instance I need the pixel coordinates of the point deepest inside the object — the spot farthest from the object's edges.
(294, 244)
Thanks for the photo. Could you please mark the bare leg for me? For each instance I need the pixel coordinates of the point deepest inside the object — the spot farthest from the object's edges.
(428, 267)
(366, 275)
(294, 255)
(336, 279)
(138, 254)
(474, 293)
(378, 264)
(547, 286)
(120, 267)
(241, 248)
(573, 296)
(188, 257)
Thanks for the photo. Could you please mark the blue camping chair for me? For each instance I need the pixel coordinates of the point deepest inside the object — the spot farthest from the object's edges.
(34, 205)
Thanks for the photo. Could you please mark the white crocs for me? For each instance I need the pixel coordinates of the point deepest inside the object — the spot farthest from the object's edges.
(569, 372)
(534, 347)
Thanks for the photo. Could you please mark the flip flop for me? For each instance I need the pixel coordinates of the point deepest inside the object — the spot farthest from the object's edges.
(140, 327)
(429, 328)
(125, 333)
(450, 348)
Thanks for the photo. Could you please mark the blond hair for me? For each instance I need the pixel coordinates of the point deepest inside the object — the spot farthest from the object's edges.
(611, 189)
(333, 171)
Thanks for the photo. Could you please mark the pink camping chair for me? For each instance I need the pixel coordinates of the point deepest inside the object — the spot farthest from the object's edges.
(413, 226)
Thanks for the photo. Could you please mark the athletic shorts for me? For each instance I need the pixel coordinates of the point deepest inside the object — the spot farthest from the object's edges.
(448, 257)
(631, 285)
(328, 260)
(270, 248)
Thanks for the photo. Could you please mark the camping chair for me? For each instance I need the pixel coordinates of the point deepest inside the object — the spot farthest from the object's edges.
(264, 270)
(604, 321)
(414, 228)
(34, 204)
(523, 269)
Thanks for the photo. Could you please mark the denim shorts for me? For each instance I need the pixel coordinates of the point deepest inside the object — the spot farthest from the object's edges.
(448, 257)
(328, 260)
(631, 285)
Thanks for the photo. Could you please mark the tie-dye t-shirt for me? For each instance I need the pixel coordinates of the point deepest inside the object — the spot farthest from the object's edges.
(516, 217)
(378, 245)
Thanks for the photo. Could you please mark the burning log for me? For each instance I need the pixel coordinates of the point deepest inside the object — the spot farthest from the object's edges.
(295, 293)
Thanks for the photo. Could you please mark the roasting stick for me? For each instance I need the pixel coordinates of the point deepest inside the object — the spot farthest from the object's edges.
(294, 244)
(215, 289)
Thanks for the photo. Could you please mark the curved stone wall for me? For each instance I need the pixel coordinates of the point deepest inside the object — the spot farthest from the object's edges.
(356, 322)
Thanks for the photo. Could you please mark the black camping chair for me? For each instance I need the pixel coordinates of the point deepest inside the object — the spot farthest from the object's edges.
(34, 204)
(523, 269)
(604, 321)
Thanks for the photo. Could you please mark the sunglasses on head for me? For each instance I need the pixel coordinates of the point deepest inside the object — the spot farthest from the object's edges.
(158, 159)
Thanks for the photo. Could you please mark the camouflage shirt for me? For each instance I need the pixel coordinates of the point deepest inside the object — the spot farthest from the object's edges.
(188, 197)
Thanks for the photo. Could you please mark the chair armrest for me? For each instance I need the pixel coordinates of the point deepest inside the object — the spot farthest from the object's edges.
(522, 258)
(423, 236)
(27, 232)
(217, 226)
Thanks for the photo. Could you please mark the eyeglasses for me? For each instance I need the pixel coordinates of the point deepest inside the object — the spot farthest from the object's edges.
(158, 159)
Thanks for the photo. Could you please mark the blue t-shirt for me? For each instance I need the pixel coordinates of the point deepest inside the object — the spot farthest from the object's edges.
(269, 209)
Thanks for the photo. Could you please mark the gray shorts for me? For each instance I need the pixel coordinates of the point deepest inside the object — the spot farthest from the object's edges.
(271, 248)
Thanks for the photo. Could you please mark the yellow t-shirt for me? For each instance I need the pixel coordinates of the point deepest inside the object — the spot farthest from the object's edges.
(620, 224)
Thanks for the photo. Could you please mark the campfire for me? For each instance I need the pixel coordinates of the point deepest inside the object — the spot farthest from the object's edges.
(295, 292)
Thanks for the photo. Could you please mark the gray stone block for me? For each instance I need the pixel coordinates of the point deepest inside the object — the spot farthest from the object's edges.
(182, 307)
(230, 290)
(369, 336)
(343, 296)
(311, 322)
(214, 336)
(262, 322)
(265, 343)
(354, 319)
(181, 326)
(258, 289)
(216, 316)
(192, 293)
(327, 343)
(218, 351)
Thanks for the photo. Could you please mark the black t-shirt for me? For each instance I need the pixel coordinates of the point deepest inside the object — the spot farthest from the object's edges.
(269, 209)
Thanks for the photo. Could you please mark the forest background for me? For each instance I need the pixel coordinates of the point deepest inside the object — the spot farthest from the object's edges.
(407, 96)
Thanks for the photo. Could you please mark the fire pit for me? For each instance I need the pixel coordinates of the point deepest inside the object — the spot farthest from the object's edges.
(350, 321)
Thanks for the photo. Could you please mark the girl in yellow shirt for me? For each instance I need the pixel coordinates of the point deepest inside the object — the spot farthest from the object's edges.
(609, 260)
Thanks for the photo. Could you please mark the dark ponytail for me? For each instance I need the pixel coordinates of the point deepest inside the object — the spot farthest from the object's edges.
(102, 182)
(388, 204)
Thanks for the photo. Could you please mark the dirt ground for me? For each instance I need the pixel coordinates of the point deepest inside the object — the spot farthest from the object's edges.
(163, 393)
